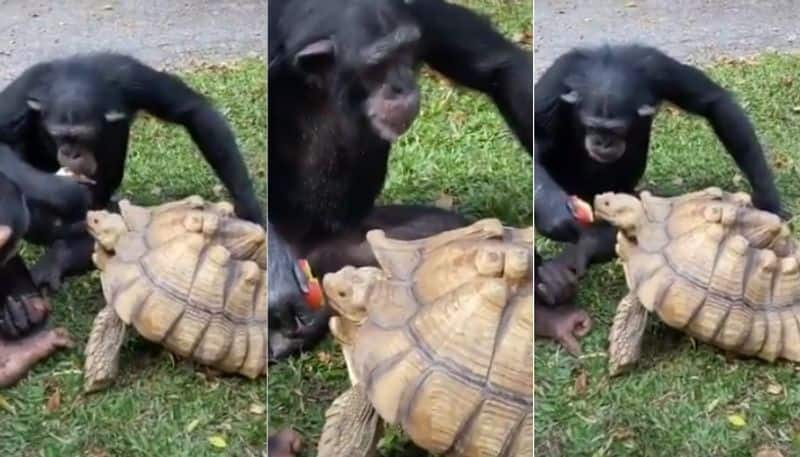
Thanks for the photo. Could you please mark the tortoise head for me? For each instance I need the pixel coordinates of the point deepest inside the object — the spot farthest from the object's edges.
(348, 291)
(623, 211)
(106, 228)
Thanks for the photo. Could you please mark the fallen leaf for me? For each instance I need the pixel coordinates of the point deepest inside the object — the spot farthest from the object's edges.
(630, 5)
(192, 425)
(712, 405)
(736, 421)
(768, 452)
(97, 452)
(217, 441)
(4, 404)
(525, 38)
(774, 389)
(444, 202)
(54, 401)
(622, 434)
(581, 383)
(258, 408)
(324, 357)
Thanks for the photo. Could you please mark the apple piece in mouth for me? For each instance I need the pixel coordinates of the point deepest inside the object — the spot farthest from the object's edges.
(67, 173)
(581, 210)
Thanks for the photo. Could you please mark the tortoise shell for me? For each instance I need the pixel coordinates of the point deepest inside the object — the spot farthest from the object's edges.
(446, 346)
(188, 275)
(712, 265)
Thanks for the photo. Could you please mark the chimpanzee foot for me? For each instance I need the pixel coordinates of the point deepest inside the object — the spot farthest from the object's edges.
(564, 324)
(285, 443)
(18, 357)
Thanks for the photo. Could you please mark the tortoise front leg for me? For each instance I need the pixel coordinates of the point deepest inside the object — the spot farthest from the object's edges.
(626, 335)
(352, 427)
(102, 350)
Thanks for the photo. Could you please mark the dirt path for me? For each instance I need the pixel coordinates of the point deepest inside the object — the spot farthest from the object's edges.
(693, 29)
(160, 32)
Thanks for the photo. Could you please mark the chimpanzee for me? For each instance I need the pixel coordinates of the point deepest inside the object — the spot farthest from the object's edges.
(343, 88)
(594, 109)
(76, 113)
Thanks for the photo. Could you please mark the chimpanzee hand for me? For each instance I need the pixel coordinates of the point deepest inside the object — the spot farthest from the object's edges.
(19, 316)
(22, 307)
(249, 209)
(69, 199)
(769, 201)
(286, 303)
(553, 217)
(556, 283)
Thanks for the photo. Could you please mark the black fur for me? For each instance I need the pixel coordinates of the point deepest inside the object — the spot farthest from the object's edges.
(327, 165)
(84, 88)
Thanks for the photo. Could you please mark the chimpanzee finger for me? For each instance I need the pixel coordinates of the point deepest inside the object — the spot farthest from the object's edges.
(37, 307)
(18, 315)
(570, 343)
(7, 324)
(543, 293)
(559, 282)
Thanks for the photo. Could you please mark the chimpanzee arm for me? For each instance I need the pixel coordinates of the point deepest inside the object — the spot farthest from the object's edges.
(690, 89)
(465, 47)
(551, 214)
(65, 197)
(167, 97)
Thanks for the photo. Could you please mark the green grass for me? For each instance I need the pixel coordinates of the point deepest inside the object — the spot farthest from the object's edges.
(158, 406)
(677, 402)
(459, 147)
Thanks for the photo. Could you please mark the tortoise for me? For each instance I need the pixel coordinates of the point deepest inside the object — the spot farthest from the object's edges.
(188, 275)
(438, 340)
(707, 263)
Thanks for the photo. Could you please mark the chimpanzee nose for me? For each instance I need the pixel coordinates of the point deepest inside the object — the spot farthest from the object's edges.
(70, 153)
(396, 89)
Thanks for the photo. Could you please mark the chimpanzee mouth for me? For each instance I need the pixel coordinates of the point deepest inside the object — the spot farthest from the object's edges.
(605, 155)
(78, 177)
(389, 130)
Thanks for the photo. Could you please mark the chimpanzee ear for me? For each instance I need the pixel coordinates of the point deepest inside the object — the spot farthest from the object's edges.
(316, 56)
(646, 110)
(571, 97)
(573, 85)
(34, 104)
(115, 115)
(5, 234)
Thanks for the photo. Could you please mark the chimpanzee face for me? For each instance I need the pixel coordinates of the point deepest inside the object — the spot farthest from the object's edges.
(606, 106)
(74, 118)
(372, 65)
